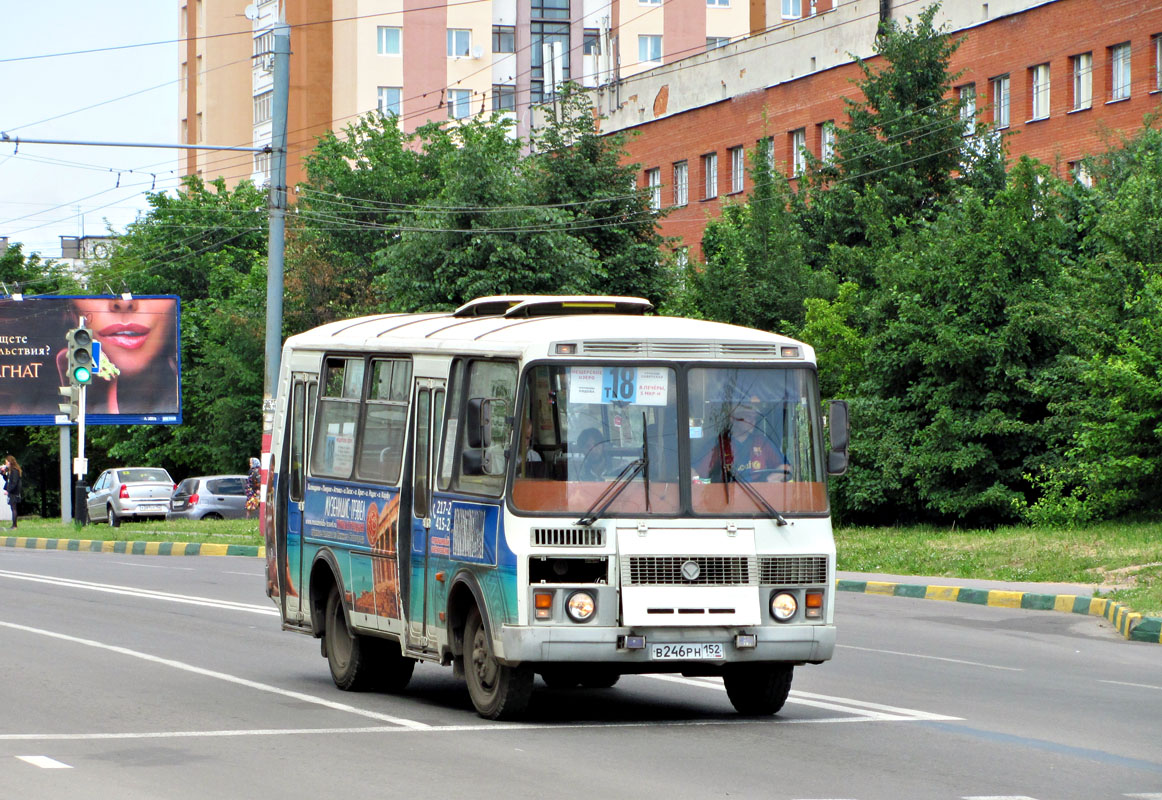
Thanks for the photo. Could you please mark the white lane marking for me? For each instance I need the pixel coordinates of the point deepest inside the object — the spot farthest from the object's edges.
(1147, 796)
(153, 566)
(245, 574)
(131, 591)
(932, 658)
(222, 676)
(44, 762)
(1000, 797)
(1137, 686)
(858, 708)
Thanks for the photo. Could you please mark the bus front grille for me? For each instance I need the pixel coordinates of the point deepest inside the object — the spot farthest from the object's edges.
(667, 570)
(792, 570)
(569, 537)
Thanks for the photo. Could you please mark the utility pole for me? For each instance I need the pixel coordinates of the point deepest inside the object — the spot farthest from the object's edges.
(277, 231)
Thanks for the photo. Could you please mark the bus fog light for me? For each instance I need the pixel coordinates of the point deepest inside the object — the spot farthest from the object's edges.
(580, 606)
(783, 606)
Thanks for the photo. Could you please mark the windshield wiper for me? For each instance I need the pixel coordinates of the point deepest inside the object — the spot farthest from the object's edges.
(755, 495)
(611, 493)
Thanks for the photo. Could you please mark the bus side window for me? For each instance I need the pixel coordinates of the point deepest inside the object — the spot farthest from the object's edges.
(491, 388)
(384, 420)
(448, 450)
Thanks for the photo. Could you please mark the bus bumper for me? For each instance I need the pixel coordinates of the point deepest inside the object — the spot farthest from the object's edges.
(786, 643)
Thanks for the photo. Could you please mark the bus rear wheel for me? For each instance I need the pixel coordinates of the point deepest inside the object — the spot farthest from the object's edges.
(347, 654)
(497, 691)
(758, 689)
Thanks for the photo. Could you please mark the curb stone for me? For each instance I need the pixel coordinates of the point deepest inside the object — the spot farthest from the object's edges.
(135, 548)
(1130, 624)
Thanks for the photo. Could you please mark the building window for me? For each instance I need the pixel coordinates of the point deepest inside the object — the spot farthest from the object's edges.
(1001, 101)
(458, 100)
(504, 38)
(503, 97)
(968, 108)
(550, 9)
(1158, 63)
(681, 183)
(1120, 71)
(1040, 83)
(389, 41)
(649, 48)
(1082, 81)
(798, 151)
(459, 42)
(827, 141)
(737, 168)
(262, 164)
(262, 106)
(718, 3)
(792, 9)
(710, 171)
(550, 48)
(649, 2)
(654, 182)
(263, 43)
(715, 42)
(591, 43)
(1080, 173)
(390, 100)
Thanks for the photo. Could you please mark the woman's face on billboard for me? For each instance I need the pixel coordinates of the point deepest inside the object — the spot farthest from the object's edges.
(133, 333)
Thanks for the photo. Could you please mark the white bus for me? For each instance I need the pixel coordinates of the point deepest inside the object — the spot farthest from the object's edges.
(553, 486)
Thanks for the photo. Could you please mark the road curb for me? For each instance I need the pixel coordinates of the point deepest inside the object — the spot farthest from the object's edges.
(135, 548)
(1130, 624)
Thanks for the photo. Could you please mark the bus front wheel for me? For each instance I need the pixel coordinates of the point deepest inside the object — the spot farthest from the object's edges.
(497, 691)
(758, 689)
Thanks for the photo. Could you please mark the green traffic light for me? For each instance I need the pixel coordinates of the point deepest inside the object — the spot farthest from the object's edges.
(82, 375)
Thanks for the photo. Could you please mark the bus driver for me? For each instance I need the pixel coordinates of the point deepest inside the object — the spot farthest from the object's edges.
(743, 450)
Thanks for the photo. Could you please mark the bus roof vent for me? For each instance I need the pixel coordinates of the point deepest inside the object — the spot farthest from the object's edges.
(749, 350)
(613, 348)
(549, 306)
(683, 349)
(569, 537)
(494, 306)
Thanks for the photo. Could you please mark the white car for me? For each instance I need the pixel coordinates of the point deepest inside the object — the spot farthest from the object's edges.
(130, 492)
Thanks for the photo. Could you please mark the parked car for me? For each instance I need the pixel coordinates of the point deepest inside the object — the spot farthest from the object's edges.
(209, 497)
(129, 492)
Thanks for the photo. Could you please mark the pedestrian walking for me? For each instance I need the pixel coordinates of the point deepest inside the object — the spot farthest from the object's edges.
(13, 483)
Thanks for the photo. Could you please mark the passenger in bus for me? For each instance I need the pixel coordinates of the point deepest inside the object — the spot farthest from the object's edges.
(593, 460)
(742, 450)
(531, 465)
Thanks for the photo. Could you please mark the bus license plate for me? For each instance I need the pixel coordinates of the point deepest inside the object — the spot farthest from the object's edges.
(686, 652)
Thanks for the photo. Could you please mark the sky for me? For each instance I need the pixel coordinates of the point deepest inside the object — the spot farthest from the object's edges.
(120, 95)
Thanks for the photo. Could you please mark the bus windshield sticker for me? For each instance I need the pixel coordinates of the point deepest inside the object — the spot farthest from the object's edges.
(647, 386)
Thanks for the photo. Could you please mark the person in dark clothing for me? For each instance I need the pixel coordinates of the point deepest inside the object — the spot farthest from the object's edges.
(13, 483)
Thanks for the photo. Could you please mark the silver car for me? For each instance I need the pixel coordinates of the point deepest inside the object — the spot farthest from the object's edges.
(210, 497)
(129, 492)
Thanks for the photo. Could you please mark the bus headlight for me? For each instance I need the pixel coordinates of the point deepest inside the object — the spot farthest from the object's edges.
(783, 606)
(580, 606)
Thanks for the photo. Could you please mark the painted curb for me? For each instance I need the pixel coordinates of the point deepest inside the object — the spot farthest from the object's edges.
(135, 548)
(1129, 623)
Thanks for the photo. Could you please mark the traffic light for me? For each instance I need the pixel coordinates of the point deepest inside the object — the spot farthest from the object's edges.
(80, 350)
(71, 402)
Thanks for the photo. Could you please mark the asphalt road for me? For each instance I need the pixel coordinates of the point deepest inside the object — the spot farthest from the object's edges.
(165, 677)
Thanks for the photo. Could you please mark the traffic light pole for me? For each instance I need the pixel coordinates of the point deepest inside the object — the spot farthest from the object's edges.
(81, 466)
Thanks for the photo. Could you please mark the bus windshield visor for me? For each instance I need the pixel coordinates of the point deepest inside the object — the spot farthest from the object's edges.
(584, 426)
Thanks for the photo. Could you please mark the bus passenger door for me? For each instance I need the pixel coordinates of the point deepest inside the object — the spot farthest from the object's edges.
(427, 422)
(294, 476)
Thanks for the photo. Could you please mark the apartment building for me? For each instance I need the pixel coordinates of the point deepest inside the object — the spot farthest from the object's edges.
(1062, 78)
(425, 60)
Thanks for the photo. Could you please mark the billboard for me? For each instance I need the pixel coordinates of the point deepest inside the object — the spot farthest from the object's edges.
(139, 377)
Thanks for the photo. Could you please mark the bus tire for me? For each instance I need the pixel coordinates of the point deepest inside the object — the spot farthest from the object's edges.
(497, 691)
(392, 668)
(758, 689)
(600, 679)
(348, 655)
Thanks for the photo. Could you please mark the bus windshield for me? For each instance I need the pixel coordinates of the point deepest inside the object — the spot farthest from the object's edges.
(606, 439)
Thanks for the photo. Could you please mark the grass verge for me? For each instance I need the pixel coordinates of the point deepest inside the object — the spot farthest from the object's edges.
(1122, 560)
(219, 531)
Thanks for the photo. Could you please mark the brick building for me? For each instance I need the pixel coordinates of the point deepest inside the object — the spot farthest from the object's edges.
(1061, 77)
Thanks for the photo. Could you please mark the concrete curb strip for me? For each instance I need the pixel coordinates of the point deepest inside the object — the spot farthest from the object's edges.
(1130, 624)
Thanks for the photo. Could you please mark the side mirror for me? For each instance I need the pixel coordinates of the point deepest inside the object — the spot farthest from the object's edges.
(479, 430)
(840, 432)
